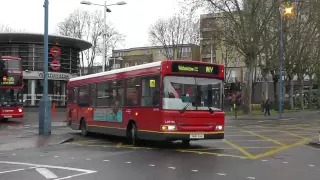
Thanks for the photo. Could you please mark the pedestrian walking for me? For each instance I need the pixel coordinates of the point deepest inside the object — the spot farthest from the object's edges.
(267, 107)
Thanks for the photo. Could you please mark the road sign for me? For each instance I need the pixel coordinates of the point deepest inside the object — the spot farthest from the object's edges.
(55, 65)
(55, 51)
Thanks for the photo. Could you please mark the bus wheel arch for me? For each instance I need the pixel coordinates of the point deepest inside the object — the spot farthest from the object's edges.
(132, 132)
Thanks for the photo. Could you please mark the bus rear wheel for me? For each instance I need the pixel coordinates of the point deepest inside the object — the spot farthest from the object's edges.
(133, 134)
(84, 131)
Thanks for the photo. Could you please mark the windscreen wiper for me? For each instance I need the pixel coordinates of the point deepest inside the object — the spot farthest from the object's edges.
(185, 107)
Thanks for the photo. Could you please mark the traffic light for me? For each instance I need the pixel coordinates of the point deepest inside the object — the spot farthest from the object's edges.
(3, 71)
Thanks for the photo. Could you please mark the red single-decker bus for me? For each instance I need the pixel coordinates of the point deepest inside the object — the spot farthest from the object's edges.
(11, 86)
(167, 101)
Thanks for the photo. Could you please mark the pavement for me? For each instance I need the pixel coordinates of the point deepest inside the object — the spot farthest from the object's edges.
(264, 150)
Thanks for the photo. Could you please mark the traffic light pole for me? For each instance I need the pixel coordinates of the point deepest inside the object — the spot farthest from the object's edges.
(45, 102)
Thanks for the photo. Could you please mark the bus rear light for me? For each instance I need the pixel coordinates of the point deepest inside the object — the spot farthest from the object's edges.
(20, 110)
(219, 128)
(168, 127)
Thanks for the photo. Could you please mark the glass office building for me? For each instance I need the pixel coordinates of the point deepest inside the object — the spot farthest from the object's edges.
(29, 47)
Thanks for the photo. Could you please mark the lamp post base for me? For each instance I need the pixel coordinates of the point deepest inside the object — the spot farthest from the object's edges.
(45, 117)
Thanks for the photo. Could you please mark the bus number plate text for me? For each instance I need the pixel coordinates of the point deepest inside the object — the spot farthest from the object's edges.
(196, 136)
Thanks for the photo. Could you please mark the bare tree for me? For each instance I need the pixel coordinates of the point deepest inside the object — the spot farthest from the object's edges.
(6, 28)
(241, 24)
(89, 26)
(172, 33)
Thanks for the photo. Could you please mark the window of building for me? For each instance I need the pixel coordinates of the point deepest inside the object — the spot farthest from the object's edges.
(103, 94)
(150, 96)
(84, 98)
(133, 91)
(117, 97)
(186, 52)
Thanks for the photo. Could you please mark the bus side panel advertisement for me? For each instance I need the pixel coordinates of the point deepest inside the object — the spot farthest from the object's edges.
(107, 114)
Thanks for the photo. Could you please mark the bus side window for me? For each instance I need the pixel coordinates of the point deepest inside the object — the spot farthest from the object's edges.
(150, 96)
(93, 93)
(133, 91)
(71, 95)
(103, 95)
(84, 99)
(117, 93)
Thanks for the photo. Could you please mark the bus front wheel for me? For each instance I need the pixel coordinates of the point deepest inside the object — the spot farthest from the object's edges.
(186, 142)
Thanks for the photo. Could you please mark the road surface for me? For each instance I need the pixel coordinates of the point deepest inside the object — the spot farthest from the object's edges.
(262, 151)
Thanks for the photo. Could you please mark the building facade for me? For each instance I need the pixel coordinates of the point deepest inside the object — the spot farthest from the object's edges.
(29, 47)
(140, 55)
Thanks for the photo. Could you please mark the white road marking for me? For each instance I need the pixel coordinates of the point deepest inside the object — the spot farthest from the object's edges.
(128, 162)
(221, 174)
(41, 155)
(106, 160)
(152, 165)
(311, 165)
(171, 167)
(285, 162)
(264, 160)
(56, 156)
(46, 173)
(13, 154)
(72, 158)
(88, 159)
(16, 170)
(194, 170)
(83, 171)
(251, 177)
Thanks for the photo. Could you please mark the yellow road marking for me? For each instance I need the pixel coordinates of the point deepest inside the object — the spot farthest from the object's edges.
(263, 137)
(291, 134)
(268, 153)
(239, 148)
(264, 140)
(219, 154)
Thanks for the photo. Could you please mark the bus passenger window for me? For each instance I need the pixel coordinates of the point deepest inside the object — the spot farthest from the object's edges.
(117, 98)
(150, 91)
(133, 91)
(103, 94)
(84, 99)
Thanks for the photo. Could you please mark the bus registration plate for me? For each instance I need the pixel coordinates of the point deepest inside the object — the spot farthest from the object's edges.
(7, 116)
(196, 136)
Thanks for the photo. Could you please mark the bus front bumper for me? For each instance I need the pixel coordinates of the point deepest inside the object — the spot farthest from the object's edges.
(16, 115)
(180, 136)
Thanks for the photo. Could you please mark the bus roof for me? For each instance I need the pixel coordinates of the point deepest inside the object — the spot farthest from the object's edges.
(10, 57)
(127, 69)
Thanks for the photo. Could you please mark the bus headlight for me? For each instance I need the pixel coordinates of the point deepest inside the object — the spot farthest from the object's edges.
(20, 110)
(219, 128)
(168, 127)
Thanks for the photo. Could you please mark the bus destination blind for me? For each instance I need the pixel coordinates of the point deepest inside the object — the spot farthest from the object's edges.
(11, 81)
(195, 68)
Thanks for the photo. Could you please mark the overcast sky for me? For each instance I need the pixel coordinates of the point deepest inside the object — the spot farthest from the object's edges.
(132, 19)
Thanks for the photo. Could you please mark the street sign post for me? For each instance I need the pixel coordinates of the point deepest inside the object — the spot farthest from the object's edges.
(55, 65)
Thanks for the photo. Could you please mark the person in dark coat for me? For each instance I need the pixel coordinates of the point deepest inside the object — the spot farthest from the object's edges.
(267, 107)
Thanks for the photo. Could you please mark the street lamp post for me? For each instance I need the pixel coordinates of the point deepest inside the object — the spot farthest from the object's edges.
(106, 9)
(281, 62)
(284, 10)
(45, 102)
